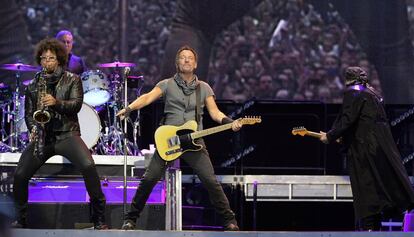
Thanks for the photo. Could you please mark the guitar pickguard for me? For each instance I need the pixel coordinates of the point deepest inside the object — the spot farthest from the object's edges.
(186, 143)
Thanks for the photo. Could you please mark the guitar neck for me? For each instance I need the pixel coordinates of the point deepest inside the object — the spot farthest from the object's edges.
(209, 131)
(313, 134)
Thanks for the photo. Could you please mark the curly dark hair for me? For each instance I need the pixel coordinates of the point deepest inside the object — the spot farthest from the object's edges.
(55, 46)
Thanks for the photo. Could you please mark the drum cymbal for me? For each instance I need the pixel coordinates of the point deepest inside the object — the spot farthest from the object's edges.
(116, 64)
(136, 77)
(19, 67)
(133, 81)
(27, 82)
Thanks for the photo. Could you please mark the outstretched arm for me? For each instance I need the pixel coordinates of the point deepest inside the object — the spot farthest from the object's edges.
(141, 101)
(219, 116)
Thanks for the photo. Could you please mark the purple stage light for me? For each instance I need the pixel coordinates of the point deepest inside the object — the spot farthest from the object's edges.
(408, 222)
(75, 192)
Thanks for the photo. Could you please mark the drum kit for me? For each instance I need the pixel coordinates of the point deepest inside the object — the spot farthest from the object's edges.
(103, 98)
(11, 104)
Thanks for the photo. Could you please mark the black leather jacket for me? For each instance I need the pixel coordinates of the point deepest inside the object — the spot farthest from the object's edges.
(68, 93)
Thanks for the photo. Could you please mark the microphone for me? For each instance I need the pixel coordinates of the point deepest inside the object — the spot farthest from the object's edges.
(127, 70)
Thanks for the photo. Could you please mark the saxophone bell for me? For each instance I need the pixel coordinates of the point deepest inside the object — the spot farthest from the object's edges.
(41, 116)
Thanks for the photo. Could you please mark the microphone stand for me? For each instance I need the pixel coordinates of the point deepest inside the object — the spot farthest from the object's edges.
(126, 72)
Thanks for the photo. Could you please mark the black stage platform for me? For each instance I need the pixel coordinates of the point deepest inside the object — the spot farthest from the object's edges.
(142, 233)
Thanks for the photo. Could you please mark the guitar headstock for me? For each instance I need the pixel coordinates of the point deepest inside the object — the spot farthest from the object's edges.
(299, 131)
(250, 120)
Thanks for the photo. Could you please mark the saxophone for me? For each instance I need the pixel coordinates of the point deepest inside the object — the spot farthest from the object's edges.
(41, 116)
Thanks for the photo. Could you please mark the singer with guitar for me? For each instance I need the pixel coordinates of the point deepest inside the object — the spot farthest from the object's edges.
(185, 96)
(379, 182)
(53, 100)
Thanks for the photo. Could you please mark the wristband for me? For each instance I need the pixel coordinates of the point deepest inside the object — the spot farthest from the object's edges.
(127, 111)
(226, 120)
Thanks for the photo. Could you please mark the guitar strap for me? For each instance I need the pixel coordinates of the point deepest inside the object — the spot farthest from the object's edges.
(198, 104)
(162, 120)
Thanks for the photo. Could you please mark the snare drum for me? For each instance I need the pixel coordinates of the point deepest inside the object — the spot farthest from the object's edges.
(90, 125)
(95, 87)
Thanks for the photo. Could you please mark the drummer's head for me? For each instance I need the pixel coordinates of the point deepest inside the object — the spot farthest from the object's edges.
(66, 38)
(51, 53)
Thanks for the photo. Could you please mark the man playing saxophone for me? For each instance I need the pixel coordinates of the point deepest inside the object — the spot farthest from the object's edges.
(52, 103)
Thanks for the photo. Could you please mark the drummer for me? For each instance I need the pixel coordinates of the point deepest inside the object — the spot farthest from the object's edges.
(75, 63)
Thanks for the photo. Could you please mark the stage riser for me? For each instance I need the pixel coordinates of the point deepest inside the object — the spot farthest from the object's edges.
(68, 216)
(75, 192)
(119, 233)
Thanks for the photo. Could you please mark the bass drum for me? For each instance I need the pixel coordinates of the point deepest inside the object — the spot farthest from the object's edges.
(90, 125)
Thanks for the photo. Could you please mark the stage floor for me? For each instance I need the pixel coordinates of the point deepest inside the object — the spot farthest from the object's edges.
(142, 233)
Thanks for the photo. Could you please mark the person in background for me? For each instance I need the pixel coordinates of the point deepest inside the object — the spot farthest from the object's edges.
(75, 63)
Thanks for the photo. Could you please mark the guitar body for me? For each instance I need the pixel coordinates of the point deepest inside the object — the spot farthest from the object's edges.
(170, 152)
(172, 141)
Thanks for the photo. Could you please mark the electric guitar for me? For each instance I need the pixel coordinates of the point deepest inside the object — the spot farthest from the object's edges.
(304, 132)
(172, 141)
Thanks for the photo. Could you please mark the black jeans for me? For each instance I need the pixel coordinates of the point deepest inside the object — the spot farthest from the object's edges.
(200, 162)
(75, 150)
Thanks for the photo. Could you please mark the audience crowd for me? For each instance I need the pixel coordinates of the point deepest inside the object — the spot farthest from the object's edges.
(281, 50)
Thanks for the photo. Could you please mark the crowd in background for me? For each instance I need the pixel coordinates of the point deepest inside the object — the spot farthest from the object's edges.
(410, 13)
(285, 50)
(281, 50)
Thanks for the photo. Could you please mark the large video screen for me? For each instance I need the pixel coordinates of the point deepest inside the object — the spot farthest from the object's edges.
(264, 50)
